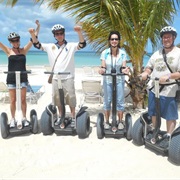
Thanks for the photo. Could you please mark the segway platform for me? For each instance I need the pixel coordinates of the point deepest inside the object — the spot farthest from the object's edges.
(68, 130)
(82, 125)
(15, 131)
(117, 133)
(108, 133)
(156, 147)
(31, 128)
(142, 133)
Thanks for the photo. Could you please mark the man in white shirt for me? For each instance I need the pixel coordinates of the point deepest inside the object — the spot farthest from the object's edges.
(65, 63)
(157, 67)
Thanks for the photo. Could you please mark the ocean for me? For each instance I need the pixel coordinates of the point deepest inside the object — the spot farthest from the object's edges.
(82, 58)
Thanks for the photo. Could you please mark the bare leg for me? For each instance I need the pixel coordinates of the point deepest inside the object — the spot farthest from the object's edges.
(73, 113)
(107, 114)
(23, 102)
(170, 124)
(154, 121)
(120, 115)
(12, 94)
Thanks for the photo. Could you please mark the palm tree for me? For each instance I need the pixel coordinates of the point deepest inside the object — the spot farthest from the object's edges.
(138, 21)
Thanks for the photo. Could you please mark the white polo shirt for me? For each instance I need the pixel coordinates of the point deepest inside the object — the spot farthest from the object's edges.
(65, 61)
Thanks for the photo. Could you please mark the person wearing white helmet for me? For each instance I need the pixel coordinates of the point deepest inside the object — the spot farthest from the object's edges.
(17, 62)
(165, 64)
(65, 63)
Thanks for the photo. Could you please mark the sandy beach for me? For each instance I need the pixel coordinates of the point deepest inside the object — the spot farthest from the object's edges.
(34, 156)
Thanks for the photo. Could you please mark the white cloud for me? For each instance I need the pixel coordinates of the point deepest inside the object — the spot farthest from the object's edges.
(23, 15)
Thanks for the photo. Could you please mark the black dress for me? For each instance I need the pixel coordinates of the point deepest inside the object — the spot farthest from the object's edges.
(16, 63)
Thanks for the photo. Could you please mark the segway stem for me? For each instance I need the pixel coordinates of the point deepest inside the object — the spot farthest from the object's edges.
(158, 113)
(114, 95)
(18, 96)
(114, 75)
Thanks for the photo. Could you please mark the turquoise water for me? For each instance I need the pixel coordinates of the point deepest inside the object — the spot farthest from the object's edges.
(82, 58)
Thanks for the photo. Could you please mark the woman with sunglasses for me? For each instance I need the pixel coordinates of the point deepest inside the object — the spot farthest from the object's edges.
(113, 59)
(17, 62)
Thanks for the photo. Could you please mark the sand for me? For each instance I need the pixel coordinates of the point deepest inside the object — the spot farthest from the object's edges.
(34, 156)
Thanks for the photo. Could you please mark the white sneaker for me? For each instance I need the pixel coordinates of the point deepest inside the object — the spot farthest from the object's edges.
(106, 125)
(26, 123)
(73, 122)
(12, 123)
(57, 122)
(120, 125)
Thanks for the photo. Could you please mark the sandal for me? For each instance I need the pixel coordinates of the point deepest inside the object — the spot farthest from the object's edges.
(62, 126)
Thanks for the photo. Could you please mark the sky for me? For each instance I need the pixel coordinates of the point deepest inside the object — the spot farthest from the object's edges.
(23, 15)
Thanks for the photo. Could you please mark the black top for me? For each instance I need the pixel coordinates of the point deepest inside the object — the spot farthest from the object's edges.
(16, 63)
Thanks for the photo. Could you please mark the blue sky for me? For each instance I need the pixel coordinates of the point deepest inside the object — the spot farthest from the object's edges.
(23, 15)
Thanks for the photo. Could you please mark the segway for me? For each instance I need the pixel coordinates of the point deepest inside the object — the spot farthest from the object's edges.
(113, 131)
(49, 117)
(15, 131)
(142, 133)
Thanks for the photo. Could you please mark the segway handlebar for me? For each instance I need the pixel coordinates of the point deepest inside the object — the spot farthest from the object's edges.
(113, 74)
(56, 73)
(13, 72)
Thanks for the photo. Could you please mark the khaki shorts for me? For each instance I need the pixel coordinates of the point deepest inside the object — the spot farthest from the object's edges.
(69, 92)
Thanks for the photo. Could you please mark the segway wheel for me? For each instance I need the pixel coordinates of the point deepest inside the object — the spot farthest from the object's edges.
(83, 125)
(45, 124)
(4, 126)
(100, 126)
(128, 122)
(34, 121)
(174, 150)
(137, 133)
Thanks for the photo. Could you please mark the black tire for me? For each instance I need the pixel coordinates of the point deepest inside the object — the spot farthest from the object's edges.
(137, 133)
(4, 126)
(100, 126)
(34, 121)
(46, 124)
(128, 122)
(174, 150)
(83, 125)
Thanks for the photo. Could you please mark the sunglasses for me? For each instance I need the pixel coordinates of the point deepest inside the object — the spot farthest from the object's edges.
(14, 40)
(114, 39)
(59, 34)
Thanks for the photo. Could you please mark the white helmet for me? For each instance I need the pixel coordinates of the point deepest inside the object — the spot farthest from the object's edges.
(168, 29)
(13, 35)
(57, 27)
